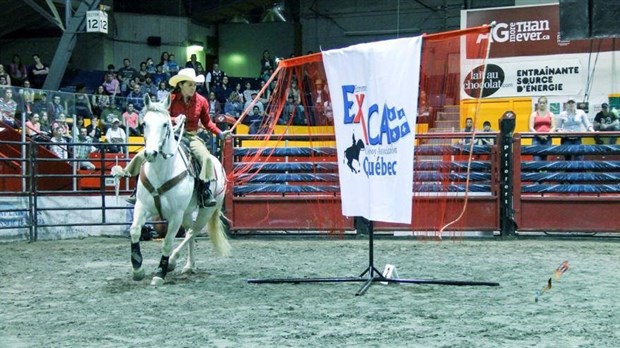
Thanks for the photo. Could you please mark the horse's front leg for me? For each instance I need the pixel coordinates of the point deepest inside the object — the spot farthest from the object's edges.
(174, 222)
(139, 218)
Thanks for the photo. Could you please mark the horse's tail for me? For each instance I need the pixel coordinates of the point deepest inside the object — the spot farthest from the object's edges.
(217, 234)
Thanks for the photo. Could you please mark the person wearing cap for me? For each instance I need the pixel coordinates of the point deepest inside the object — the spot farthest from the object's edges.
(573, 120)
(185, 101)
(117, 136)
(606, 121)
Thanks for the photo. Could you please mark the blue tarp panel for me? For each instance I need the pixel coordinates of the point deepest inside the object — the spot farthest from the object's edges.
(570, 149)
(570, 165)
(545, 188)
(571, 177)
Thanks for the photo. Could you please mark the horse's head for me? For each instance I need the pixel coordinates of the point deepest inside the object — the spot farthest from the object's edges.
(157, 127)
(360, 144)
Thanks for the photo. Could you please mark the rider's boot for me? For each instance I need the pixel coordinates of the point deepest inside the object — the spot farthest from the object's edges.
(207, 196)
(132, 197)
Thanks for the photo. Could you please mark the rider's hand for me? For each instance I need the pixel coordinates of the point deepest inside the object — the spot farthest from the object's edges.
(226, 134)
(179, 119)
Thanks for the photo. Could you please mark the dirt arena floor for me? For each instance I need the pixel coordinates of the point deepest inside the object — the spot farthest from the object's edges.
(79, 293)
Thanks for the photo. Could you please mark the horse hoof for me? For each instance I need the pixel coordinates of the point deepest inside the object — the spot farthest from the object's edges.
(187, 270)
(157, 281)
(138, 274)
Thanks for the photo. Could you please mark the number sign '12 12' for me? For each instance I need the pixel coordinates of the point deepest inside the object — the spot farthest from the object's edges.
(96, 22)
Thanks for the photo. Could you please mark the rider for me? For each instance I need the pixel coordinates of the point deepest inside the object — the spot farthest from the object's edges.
(185, 101)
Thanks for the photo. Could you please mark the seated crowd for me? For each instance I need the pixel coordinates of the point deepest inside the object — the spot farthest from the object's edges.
(120, 97)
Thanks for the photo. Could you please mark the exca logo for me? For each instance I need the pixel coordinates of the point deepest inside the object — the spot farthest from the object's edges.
(493, 81)
(392, 122)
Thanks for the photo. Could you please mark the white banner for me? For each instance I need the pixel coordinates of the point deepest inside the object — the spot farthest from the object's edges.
(374, 92)
(525, 77)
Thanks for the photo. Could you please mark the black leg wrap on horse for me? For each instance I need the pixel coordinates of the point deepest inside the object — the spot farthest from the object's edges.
(162, 270)
(136, 255)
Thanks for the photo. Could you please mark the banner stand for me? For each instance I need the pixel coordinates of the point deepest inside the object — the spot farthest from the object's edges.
(370, 274)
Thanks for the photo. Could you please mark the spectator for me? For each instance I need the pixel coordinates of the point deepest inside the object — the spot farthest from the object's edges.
(99, 100)
(18, 71)
(82, 105)
(266, 63)
(148, 86)
(195, 64)
(222, 91)
(46, 126)
(55, 108)
(116, 136)
(83, 149)
(293, 112)
(109, 115)
(573, 120)
(606, 121)
(217, 76)
(131, 121)
(159, 76)
(469, 128)
(136, 97)
(40, 103)
(33, 126)
(142, 73)
(163, 62)
(7, 77)
(8, 107)
(38, 72)
(486, 128)
(25, 105)
(93, 130)
(247, 92)
(111, 85)
(112, 70)
(173, 67)
(214, 106)
(63, 126)
(542, 121)
(254, 120)
(258, 103)
(234, 102)
(150, 66)
(59, 147)
(126, 74)
(162, 91)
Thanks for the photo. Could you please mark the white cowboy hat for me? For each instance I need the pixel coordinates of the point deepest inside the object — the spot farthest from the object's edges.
(187, 74)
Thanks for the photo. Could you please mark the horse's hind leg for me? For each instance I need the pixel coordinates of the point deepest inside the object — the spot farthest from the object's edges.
(134, 231)
(189, 233)
(201, 221)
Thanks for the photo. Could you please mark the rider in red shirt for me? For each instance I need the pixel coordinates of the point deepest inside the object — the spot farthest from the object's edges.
(195, 108)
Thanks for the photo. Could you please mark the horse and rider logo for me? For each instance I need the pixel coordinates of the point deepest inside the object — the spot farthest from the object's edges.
(352, 153)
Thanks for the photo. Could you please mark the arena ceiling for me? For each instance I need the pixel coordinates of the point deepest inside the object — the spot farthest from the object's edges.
(33, 18)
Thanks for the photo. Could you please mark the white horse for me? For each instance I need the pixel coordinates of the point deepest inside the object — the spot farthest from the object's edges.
(166, 189)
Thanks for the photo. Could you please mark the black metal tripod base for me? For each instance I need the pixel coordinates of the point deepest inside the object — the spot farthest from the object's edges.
(370, 274)
(368, 277)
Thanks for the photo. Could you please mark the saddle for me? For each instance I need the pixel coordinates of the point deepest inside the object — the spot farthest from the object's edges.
(194, 166)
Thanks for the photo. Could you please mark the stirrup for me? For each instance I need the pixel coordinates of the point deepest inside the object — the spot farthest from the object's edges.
(132, 197)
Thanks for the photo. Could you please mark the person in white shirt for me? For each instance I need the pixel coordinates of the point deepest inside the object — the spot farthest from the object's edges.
(573, 120)
(116, 135)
